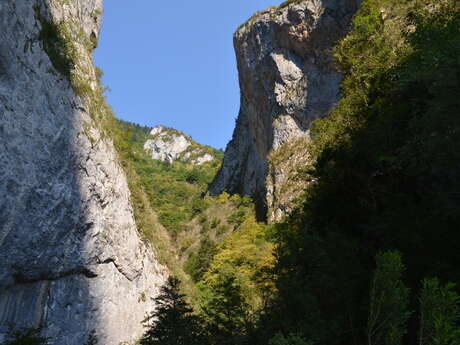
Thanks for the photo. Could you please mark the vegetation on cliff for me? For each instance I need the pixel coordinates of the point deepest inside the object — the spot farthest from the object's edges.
(195, 230)
(386, 174)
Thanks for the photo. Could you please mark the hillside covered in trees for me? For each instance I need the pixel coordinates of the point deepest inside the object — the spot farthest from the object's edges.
(370, 254)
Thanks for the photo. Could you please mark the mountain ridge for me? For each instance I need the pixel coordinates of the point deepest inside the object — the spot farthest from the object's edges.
(168, 145)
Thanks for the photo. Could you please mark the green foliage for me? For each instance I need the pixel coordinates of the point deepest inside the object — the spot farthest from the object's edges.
(186, 243)
(173, 322)
(291, 339)
(198, 206)
(25, 336)
(174, 190)
(439, 314)
(238, 283)
(385, 170)
(388, 312)
(198, 263)
(237, 218)
(222, 229)
(55, 46)
(223, 197)
(225, 309)
(215, 222)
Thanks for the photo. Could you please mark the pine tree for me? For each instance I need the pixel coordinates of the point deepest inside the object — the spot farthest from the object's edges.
(173, 322)
(389, 301)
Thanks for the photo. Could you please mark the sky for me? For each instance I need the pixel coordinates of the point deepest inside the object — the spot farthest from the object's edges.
(172, 63)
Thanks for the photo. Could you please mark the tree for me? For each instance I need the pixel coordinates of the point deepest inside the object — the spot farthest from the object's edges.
(389, 301)
(225, 310)
(439, 314)
(173, 322)
(238, 283)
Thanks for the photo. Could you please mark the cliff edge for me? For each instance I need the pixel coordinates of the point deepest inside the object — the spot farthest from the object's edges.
(287, 79)
(72, 258)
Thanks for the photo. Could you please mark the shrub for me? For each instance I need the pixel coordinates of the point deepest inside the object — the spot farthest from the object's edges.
(223, 197)
(237, 218)
(186, 243)
(198, 205)
(222, 229)
(439, 314)
(215, 222)
(199, 262)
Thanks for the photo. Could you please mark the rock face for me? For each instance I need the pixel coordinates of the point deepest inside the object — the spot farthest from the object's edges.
(169, 145)
(287, 79)
(71, 257)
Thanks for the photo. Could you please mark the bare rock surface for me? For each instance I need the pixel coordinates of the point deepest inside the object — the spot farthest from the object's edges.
(72, 260)
(287, 79)
(169, 145)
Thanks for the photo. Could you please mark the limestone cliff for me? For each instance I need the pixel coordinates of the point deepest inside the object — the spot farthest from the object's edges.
(71, 256)
(169, 145)
(287, 79)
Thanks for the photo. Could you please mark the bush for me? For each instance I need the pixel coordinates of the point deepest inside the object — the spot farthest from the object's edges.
(198, 263)
(202, 219)
(186, 243)
(198, 206)
(237, 218)
(223, 197)
(215, 222)
(222, 229)
(205, 228)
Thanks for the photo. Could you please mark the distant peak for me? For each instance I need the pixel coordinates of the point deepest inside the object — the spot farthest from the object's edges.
(170, 145)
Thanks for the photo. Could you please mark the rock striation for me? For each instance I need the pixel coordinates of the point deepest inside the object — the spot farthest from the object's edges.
(287, 79)
(72, 260)
(169, 145)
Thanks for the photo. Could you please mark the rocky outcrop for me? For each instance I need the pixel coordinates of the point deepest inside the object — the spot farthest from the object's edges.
(169, 145)
(287, 79)
(71, 257)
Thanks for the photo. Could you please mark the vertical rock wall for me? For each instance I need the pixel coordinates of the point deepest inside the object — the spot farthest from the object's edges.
(287, 79)
(71, 257)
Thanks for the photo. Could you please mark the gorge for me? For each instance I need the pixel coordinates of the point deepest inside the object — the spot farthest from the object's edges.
(331, 218)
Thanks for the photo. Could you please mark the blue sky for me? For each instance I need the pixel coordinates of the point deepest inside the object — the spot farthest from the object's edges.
(172, 63)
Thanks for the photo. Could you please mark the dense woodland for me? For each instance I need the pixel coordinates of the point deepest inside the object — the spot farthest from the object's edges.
(372, 254)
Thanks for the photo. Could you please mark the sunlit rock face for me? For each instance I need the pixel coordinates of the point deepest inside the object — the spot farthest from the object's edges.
(287, 79)
(169, 145)
(71, 257)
